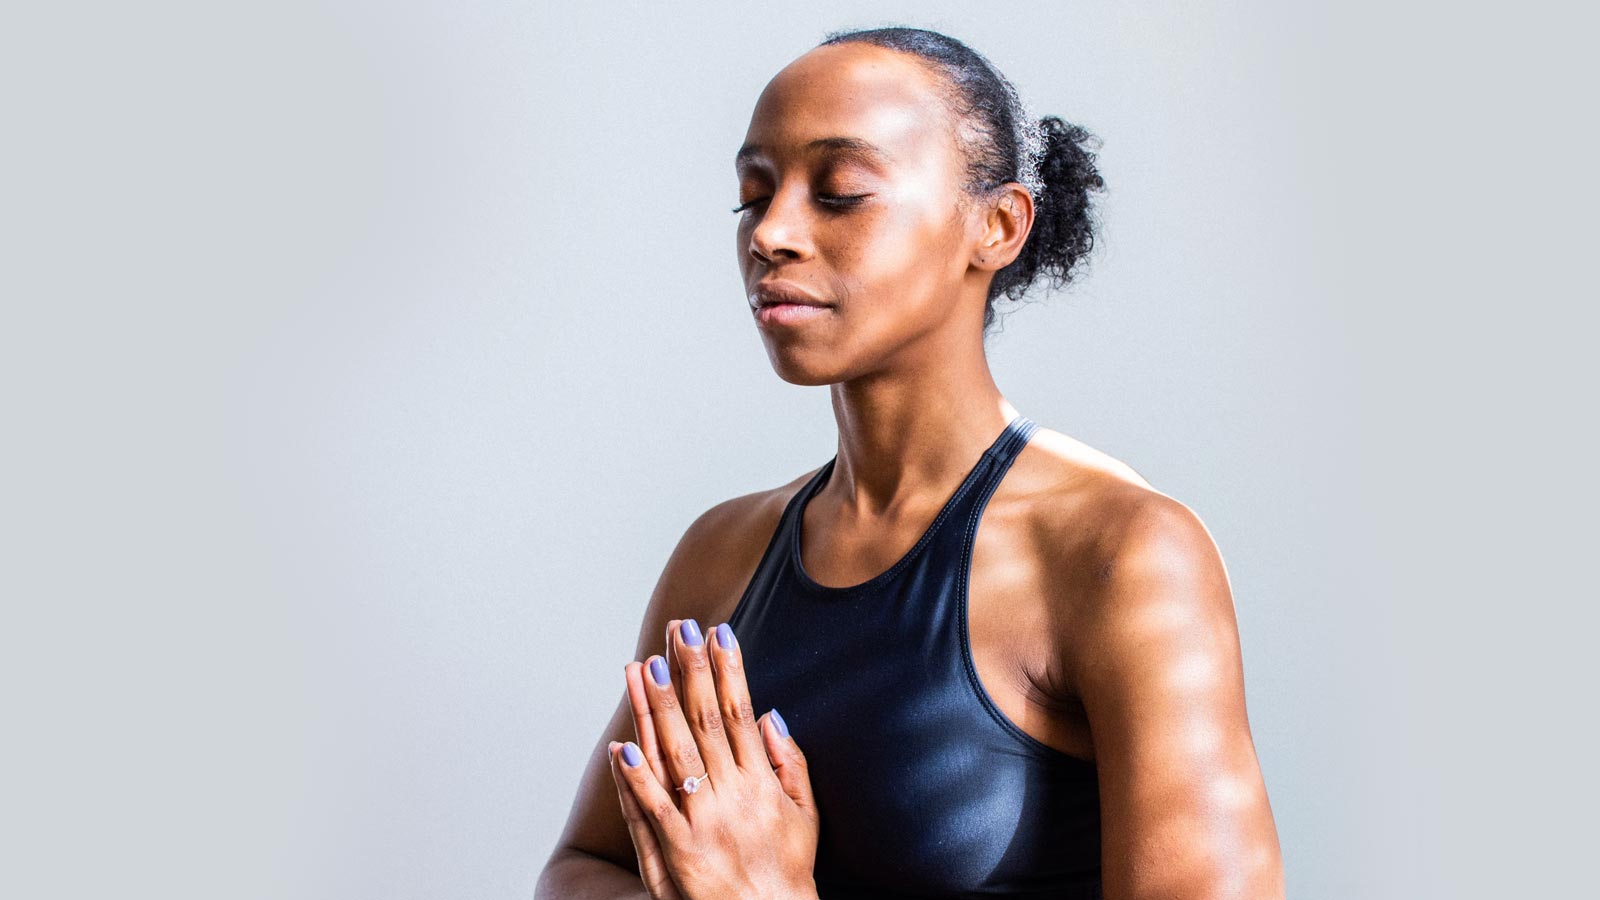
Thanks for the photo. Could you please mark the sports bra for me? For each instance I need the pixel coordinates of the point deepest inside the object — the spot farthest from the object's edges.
(925, 789)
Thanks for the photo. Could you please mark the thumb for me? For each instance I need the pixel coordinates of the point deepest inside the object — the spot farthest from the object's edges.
(794, 774)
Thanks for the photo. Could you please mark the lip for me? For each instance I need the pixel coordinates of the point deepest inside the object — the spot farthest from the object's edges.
(777, 293)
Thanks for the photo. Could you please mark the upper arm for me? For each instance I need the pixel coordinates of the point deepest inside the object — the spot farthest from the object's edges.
(710, 562)
(1184, 811)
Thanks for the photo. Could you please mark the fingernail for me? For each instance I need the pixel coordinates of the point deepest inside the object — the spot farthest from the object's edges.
(691, 632)
(630, 755)
(725, 636)
(783, 727)
(658, 670)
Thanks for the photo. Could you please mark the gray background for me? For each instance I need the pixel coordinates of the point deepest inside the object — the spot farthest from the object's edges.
(364, 361)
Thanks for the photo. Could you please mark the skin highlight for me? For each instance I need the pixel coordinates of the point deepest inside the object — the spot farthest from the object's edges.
(907, 263)
(1102, 621)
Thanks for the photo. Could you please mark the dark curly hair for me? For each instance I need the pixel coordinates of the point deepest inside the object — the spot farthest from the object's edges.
(1052, 158)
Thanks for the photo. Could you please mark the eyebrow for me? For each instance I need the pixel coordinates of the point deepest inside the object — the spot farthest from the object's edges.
(847, 146)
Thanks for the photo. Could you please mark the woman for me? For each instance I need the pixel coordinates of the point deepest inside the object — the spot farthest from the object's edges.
(1049, 705)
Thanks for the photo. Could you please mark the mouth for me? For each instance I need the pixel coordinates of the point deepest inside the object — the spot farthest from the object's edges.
(778, 293)
(778, 303)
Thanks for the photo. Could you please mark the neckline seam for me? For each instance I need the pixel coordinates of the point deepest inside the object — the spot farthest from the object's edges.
(1002, 441)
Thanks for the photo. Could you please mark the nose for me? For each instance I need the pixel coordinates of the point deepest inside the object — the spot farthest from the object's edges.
(783, 230)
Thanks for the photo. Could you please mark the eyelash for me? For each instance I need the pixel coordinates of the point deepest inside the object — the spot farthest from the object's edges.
(835, 200)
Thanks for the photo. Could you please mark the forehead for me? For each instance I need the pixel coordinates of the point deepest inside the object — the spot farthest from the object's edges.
(858, 92)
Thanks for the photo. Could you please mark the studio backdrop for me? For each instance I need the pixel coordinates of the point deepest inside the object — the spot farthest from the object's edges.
(365, 361)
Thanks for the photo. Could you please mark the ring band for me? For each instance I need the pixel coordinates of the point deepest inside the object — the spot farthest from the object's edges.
(692, 784)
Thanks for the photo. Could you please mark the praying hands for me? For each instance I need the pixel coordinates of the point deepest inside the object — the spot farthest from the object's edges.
(718, 803)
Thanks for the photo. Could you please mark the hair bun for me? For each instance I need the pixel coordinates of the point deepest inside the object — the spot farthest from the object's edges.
(1064, 214)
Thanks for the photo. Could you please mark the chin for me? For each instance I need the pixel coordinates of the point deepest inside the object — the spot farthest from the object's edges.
(806, 367)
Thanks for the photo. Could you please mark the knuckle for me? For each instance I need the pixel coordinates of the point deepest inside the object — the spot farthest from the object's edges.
(709, 719)
(660, 809)
(687, 757)
(740, 713)
(696, 661)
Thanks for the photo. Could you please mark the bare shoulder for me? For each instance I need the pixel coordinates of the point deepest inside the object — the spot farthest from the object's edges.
(1115, 545)
(1153, 656)
(713, 561)
(1097, 506)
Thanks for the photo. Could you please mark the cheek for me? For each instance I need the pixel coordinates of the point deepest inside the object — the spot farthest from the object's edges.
(897, 258)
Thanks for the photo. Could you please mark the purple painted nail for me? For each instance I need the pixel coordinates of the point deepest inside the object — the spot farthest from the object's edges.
(725, 636)
(783, 727)
(631, 755)
(691, 632)
(658, 671)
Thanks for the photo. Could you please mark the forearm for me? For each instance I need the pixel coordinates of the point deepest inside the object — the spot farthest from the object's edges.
(574, 875)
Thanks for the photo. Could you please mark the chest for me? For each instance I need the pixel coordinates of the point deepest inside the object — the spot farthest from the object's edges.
(929, 745)
(1020, 612)
(925, 790)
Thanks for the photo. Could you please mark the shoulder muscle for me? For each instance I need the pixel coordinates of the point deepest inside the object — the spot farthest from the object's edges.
(1184, 809)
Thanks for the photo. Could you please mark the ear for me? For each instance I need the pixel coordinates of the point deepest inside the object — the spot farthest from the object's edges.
(1006, 220)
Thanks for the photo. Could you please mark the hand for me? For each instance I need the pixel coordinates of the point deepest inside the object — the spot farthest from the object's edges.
(751, 830)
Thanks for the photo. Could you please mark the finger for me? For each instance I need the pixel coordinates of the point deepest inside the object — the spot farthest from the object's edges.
(671, 653)
(644, 727)
(697, 688)
(646, 844)
(790, 765)
(671, 650)
(678, 746)
(733, 692)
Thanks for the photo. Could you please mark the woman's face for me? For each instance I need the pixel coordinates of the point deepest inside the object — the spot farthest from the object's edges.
(850, 177)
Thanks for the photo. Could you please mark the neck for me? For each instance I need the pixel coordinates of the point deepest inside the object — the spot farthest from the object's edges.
(908, 434)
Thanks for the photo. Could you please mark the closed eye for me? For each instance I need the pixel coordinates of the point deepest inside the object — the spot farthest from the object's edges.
(837, 201)
(842, 201)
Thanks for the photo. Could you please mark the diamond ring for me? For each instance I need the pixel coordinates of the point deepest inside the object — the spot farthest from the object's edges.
(692, 784)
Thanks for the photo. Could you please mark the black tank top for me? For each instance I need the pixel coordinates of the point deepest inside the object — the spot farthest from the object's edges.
(924, 787)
